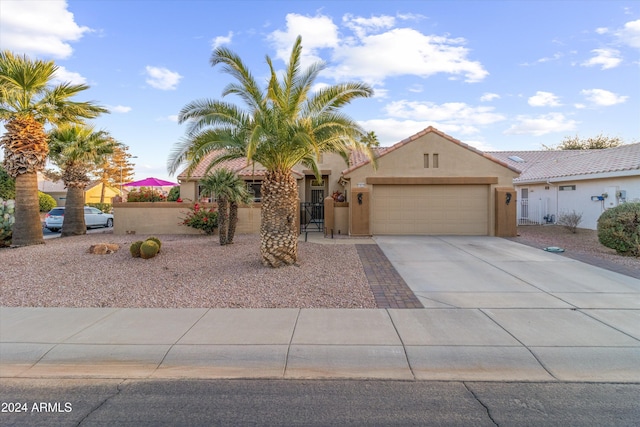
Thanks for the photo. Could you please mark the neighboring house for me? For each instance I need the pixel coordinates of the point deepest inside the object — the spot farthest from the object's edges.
(585, 181)
(429, 183)
(58, 191)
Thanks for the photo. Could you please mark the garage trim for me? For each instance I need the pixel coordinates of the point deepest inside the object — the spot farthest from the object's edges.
(434, 180)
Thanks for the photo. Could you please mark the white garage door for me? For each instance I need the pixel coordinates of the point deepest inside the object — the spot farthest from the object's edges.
(430, 209)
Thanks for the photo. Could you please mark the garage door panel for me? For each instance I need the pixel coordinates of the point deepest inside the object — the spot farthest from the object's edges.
(430, 209)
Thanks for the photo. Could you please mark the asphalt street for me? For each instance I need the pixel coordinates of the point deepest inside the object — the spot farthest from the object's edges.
(114, 402)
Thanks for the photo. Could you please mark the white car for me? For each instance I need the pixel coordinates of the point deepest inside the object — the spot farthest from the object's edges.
(92, 217)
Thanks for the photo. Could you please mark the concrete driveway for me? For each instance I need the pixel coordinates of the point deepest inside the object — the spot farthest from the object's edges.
(489, 272)
(579, 322)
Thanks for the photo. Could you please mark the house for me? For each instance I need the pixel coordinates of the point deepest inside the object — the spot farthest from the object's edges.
(429, 183)
(58, 191)
(585, 181)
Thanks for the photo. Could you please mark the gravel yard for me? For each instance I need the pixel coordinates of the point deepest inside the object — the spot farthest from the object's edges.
(189, 271)
(195, 271)
(583, 245)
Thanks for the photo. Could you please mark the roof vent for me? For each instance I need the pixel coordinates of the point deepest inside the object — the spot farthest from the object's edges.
(517, 159)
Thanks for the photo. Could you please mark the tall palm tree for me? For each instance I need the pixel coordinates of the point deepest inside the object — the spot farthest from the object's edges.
(28, 100)
(228, 190)
(284, 124)
(77, 150)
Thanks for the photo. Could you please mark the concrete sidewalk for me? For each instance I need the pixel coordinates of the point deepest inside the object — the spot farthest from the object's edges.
(494, 310)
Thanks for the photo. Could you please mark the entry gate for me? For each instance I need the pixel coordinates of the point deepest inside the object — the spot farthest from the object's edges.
(311, 216)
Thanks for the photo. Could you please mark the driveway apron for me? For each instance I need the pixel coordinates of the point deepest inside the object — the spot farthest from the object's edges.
(497, 297)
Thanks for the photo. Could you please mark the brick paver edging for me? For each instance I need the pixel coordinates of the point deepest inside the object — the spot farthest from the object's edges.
(388, 287)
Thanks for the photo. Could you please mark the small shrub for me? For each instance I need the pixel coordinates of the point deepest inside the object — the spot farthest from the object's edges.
(7, 185)
(202, 219)
(135, 248)
(148, 249)
(619, 228)
(174, 194)
(46, 202)
(7, 218)
(570, 221)
(104, 207)
(145, 194)
(155, 239)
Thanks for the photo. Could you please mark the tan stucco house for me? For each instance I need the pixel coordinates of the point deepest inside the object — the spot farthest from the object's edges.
(429, 183)
(92, 193)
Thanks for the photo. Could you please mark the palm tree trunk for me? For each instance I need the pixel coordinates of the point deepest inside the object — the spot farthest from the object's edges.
(233, 221)
(278, 227)
(73, 223)
(27, 229)
(223, 219)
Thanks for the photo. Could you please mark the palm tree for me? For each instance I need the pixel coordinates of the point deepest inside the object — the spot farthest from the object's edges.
(283, 125)
(28, 100)
(77, 150)
(229, 190)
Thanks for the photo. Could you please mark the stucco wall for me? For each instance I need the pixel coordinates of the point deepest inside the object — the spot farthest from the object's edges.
(166, 218)
(580, 199)
(454, 160)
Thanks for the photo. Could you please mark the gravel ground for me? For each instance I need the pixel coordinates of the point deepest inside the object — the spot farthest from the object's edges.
(194, 272)
(189, 271)
(583, 242)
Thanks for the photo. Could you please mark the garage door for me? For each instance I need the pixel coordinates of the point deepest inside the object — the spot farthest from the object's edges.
(430, 209)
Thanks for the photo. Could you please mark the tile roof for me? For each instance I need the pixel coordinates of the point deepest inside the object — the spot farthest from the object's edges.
(550, 164)
(239, 166)
(430, 129)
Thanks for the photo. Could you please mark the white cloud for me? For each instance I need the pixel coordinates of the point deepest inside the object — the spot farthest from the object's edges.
(544, 99)
(488, 97)
(118, 109)
(362, 26)
(39, 28)
(405, 50)
(603, 98)
(630, 34)
(391, 130)
(222, 40)
(416, 88)
(317, 32)
(607, 58)
(457, 116)
(63, 75)
(162, 78)
(541, 125)
(602, 30)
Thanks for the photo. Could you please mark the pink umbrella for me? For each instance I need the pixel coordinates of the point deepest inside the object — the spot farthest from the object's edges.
(150, 182)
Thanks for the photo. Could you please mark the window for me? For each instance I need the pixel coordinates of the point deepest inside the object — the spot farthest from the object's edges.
(255, 188)
(435, 160)
(426, 161)
(567, 187)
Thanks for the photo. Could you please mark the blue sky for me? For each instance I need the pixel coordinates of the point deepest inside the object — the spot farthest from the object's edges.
(498, 75)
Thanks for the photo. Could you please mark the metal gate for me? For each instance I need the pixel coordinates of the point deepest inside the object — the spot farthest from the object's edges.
(312, 213)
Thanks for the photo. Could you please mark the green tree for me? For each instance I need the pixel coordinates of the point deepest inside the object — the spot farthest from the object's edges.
(7, 185)
(370, 139)
(229, 190)
(28, 100)
(77, 150)
(594, 143)
(284, 124)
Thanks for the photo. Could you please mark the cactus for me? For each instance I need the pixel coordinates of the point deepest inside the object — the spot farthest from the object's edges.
(149, 249)
(7, 218)
(135, 248)
(155, 239)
